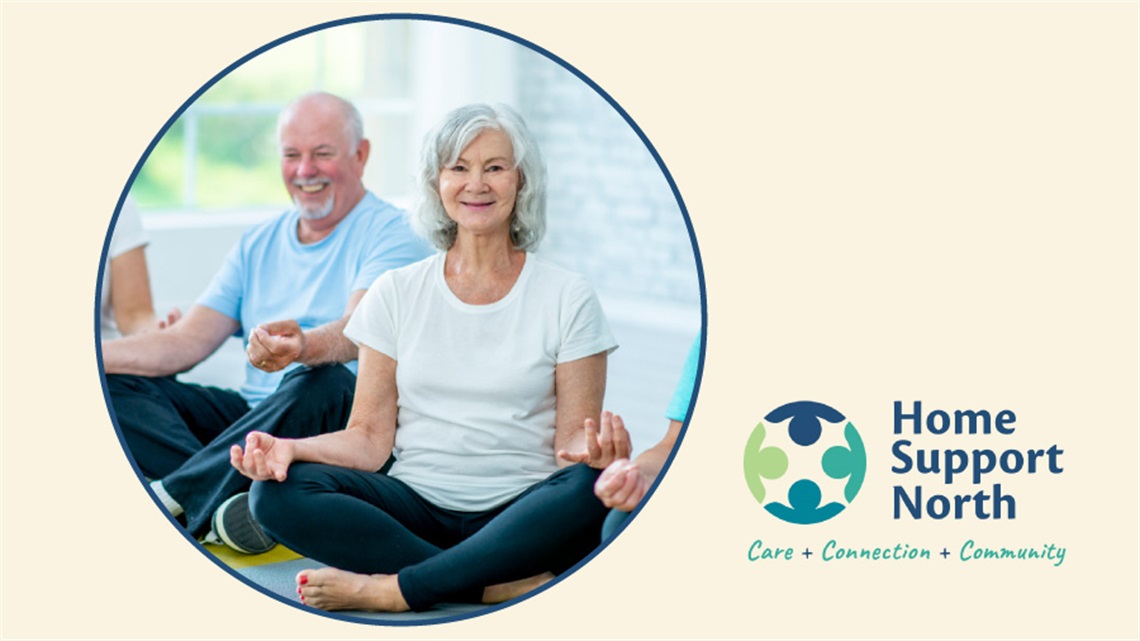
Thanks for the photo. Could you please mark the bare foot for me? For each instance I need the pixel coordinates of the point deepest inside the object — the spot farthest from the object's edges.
(507, 591)
(332, 589)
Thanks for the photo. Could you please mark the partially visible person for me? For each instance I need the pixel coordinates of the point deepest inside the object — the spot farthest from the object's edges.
(482, 369)
(624, 482)
(125, 304)
(287, 289)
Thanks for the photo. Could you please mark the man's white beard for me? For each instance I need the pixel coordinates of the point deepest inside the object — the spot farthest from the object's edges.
(315, 213)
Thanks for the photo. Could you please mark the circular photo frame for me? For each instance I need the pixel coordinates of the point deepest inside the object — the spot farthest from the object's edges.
(203, 212)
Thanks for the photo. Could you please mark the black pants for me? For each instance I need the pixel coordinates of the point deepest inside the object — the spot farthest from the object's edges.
(371, 523)
(182, 433)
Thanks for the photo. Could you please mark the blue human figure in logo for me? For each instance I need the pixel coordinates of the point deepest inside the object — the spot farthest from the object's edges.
(803, 505)
(851, 461)
(804, 428)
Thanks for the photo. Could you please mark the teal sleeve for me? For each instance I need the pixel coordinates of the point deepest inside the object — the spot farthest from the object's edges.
(683, 394)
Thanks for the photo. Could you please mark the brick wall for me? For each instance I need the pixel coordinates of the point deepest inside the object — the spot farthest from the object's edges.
(611, 213)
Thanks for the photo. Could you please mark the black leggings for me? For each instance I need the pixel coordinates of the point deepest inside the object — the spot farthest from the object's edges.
(370, 523)
(182, 433)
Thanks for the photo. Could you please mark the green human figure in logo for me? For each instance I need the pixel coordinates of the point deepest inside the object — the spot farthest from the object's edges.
(762, 462)
(804, 505)
(839, 462)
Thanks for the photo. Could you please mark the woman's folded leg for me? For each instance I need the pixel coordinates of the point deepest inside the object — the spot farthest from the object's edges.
(358, 521)
(549, 528)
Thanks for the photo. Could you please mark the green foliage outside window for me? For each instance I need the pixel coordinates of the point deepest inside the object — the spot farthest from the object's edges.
(231, 127)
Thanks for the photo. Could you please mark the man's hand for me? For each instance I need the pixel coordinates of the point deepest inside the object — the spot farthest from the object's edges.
(622, 485)
(265, 457)
(274, 346)
(602, 447)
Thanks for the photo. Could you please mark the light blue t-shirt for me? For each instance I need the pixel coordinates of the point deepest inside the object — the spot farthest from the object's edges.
(270, 276)
(683, 394)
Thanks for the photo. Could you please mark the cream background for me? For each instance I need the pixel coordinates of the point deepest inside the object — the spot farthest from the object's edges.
(933, 202)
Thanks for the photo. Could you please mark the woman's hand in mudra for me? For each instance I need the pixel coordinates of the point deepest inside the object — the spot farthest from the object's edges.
(603, 446)
(265, 457)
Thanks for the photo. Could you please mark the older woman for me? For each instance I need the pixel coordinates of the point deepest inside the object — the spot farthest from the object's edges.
(482, 371)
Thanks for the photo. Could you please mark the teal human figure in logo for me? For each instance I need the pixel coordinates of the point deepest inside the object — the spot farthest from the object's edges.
(762, 462)
(839, 462)
(803, 505)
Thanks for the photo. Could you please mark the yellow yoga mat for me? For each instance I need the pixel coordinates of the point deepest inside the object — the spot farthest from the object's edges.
(237, 560)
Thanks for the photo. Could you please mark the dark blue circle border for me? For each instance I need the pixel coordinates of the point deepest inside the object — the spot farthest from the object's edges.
(427, 18)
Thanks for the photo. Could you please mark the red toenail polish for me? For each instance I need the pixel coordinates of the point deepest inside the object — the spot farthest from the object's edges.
(304, 580)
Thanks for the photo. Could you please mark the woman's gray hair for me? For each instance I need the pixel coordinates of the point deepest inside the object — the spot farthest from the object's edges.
(442, 147)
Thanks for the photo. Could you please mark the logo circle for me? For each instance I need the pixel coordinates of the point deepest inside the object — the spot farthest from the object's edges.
(840, 468)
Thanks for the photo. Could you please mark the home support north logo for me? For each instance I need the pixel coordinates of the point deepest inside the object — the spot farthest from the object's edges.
(804, 471)
(806, 463)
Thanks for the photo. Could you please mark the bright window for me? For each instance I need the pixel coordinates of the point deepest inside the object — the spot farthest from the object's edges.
(221, 154)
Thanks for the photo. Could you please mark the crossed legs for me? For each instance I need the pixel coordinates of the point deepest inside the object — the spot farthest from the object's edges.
(394, 550)
(182, 433)
(333, 589)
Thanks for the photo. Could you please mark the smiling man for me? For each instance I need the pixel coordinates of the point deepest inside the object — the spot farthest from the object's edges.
(287, 288)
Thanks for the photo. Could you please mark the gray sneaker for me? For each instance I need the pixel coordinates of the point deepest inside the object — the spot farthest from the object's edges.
(234, 527)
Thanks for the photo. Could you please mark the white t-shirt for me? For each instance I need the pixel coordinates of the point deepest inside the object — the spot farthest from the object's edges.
(476, 382)
(128, 235)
